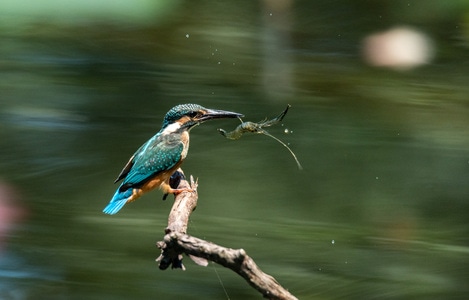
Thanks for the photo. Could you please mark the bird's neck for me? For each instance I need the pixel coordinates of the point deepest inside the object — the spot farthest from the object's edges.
(176, 132)
(172, 128)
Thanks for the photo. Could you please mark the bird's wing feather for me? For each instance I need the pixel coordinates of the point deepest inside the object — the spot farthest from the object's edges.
(126, 169)
(157, 155)
(131, 161)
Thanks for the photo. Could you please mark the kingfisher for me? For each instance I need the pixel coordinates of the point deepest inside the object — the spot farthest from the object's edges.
(155, 161)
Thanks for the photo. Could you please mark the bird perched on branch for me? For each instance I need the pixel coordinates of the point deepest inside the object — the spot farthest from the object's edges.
(154, 162)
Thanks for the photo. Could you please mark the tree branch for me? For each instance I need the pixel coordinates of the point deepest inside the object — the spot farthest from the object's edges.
(176, 242)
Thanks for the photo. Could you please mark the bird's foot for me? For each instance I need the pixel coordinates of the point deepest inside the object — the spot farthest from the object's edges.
(175, 192)
(179, 191)
(174, 182)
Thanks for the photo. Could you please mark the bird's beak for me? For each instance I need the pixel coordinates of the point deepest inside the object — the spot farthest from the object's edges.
(210, 114)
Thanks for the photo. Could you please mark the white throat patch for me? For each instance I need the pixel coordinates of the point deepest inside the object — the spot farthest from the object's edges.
(171, 128)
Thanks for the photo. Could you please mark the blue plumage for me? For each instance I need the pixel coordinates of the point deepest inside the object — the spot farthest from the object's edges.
(118, 201)
(158, 154)
(154, 162)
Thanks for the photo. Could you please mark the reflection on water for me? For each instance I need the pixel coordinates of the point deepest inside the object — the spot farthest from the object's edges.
(379, 211)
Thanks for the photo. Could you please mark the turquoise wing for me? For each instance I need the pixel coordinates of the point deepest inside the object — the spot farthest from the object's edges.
(155, 156)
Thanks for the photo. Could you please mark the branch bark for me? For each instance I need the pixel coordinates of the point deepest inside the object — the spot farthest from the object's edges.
(176, 242)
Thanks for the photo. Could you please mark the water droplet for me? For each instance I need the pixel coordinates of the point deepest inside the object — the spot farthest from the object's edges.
(286, 131)
(187, 35)
(333, 242)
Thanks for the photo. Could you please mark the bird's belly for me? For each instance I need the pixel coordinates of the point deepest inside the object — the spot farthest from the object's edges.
(153, 183)
(159, 180)
(156, 182)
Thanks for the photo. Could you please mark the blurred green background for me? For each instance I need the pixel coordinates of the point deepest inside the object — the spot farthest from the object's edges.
(379, 120)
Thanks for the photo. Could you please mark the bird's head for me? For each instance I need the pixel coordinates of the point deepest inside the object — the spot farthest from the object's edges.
(188, 115)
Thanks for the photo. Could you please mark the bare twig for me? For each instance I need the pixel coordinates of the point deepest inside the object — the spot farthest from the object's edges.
(176, 242)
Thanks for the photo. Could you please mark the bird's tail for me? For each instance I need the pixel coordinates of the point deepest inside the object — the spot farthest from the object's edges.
(118, 201)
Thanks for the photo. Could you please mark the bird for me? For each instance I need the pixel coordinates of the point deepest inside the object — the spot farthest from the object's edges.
(152, 165)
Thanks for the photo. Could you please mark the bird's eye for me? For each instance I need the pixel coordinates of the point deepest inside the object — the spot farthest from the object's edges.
(193, 114)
